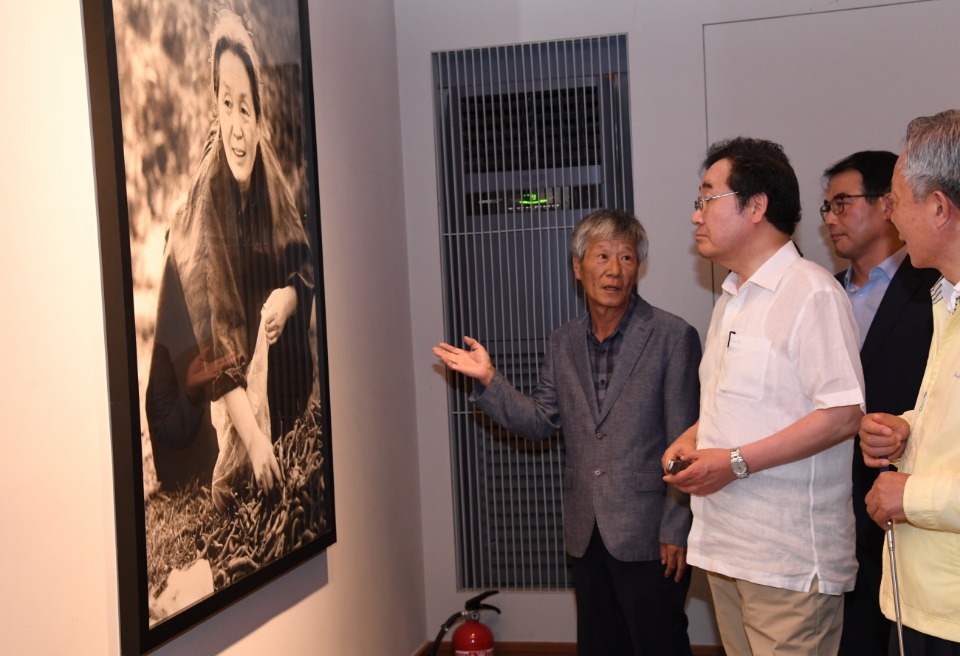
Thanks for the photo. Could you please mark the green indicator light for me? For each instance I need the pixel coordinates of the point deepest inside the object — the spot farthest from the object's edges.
(533, 199)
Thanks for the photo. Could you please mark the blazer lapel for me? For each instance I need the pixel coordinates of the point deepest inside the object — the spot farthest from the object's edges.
(581, 360)
(634, 341)
(901, 289)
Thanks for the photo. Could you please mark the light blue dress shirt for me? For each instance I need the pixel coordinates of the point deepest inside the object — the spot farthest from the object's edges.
(866, 299)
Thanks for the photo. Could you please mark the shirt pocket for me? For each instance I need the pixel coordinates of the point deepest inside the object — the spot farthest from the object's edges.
(743, 371)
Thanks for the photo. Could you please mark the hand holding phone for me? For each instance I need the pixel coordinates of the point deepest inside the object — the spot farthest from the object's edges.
(676, 466)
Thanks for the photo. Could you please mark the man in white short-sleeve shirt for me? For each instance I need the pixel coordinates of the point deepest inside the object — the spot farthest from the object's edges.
(781, 396)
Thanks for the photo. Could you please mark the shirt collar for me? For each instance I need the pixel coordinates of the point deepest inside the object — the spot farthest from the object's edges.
(889, 266)
(769, 274)
(945, 291)
(624, 320)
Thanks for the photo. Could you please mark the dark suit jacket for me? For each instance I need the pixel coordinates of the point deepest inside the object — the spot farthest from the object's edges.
(894, 356)
(613, 475)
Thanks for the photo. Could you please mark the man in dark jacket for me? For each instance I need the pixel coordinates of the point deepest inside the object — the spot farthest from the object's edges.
(891, 302)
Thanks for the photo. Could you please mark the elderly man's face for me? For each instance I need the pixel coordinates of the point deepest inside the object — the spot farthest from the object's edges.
(913, 220)
(608, 272)
(238, 121)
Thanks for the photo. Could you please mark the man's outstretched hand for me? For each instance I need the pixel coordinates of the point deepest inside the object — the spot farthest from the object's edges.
(474, 363)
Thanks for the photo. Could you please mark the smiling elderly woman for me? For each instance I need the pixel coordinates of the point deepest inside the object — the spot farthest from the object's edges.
(240, 254)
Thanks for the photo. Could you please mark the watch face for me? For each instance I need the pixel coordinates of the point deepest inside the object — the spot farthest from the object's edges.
(737, 464)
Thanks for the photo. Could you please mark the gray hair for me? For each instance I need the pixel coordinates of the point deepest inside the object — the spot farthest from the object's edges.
(931, 158)
(609, 224)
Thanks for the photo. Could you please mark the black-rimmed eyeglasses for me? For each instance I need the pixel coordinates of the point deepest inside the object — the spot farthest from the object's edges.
(837, 203)
(699, 202)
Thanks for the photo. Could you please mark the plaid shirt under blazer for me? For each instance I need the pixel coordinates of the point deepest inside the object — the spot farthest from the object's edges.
(613, 475)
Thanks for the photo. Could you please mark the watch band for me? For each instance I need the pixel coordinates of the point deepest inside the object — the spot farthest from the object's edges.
(737, 464)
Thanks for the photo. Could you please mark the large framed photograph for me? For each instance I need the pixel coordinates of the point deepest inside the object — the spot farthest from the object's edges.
(205, 160)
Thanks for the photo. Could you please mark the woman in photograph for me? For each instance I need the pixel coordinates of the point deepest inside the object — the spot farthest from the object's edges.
(240, 255)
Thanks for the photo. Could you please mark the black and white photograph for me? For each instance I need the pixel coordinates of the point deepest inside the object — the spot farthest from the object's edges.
(219, 301)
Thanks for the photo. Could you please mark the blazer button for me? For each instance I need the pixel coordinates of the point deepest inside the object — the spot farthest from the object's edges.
(600, 435)
(598, 472)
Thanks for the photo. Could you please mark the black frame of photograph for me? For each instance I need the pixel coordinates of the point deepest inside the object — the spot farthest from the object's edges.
(138, 635)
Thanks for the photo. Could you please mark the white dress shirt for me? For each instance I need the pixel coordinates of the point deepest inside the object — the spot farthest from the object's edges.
(781, 346)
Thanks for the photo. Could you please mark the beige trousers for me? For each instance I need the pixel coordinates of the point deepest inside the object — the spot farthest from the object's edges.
(759, 620)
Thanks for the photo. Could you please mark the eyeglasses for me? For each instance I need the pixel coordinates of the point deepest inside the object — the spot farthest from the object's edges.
(699, 202)
(837, 203)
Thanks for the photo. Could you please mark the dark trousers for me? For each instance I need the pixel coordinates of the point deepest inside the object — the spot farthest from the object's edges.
(628, 608)
(921, 644)
(866, 632)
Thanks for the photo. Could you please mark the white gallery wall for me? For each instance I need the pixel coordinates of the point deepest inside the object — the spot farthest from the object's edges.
(700, 70)
(843, 81)
(57, 555)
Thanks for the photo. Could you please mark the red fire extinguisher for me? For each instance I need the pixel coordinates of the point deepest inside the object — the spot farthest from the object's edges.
(472, 638)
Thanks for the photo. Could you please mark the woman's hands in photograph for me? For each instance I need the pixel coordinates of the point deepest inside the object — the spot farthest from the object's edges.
(266, 470)
(276, 310)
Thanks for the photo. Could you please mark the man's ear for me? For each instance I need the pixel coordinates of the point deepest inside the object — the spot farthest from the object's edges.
(943, 210)
(886, 206)
(757, 206)
(576, 267)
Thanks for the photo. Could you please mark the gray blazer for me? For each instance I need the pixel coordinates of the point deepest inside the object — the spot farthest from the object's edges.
(613, 475)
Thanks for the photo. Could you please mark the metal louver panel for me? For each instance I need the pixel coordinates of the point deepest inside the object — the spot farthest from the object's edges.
(543, 122)
(530, 138)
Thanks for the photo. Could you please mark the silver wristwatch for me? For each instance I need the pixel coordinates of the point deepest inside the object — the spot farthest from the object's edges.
(737, 464)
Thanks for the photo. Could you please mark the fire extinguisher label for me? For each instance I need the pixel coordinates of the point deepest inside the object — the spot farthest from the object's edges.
(481, 652)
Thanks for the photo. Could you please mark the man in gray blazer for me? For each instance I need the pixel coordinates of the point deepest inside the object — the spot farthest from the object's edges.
(621, 381)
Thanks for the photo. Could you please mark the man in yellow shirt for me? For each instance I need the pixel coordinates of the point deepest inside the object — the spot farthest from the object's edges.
(922, 499)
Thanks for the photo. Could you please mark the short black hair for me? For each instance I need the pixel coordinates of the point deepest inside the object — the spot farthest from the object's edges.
(874, 166)
(758, 166)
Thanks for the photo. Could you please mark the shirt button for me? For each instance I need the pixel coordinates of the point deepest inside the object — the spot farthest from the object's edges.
(600, 435)
(598, 472)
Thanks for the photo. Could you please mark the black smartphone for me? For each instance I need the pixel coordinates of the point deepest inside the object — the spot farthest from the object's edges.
(676, 466)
